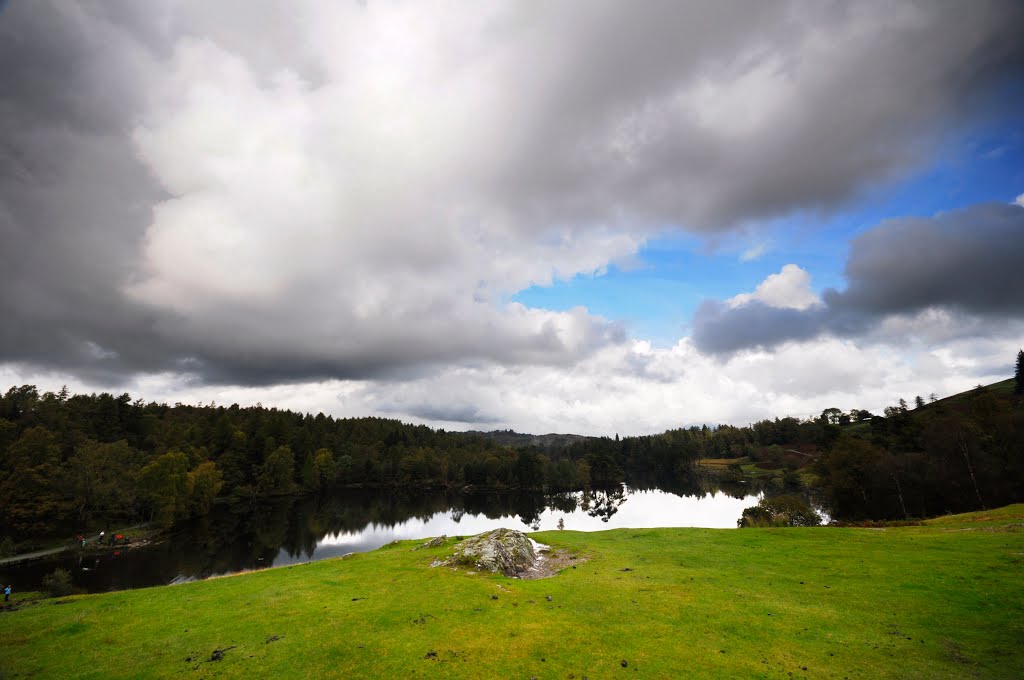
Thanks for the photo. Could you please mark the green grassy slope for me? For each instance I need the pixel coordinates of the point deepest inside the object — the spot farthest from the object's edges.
(1002, 389)
(937, 601)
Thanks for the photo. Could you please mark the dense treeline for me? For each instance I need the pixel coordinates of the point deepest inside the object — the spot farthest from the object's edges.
(71, 463)
(960, 454)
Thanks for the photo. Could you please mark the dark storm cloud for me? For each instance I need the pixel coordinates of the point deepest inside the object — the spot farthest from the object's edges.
(604, 117)
(709, 114)
(970, 260)
(719, 328)
(966, 262)
(452, 413)
(74, 201)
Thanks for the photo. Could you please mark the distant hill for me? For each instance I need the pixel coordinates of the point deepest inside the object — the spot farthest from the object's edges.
(516, 439)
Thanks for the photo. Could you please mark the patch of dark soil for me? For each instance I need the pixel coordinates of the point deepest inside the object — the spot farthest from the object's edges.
(551, 563)
(273, 638)
(218, 654)
(955, 653)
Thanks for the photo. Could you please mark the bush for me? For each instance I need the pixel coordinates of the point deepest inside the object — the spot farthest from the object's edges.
(6, 547)
(789, 510)
(733, 473)
(58, 583)
(755, 517)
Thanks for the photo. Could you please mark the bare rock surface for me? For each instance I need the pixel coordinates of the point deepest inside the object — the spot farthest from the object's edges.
(433, 543)
(511, 553)
(506, 551)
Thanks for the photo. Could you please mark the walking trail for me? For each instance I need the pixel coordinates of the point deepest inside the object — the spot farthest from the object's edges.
(89, 541)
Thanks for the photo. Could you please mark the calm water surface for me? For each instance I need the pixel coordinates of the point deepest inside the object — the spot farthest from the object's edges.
(289, 531)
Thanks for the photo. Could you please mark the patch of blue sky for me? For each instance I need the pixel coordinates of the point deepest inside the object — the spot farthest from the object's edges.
(655, 299)
(983, 164)
(651, 303)
(676, 271)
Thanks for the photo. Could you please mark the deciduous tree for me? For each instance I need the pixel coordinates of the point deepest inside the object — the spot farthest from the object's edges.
(163, 483)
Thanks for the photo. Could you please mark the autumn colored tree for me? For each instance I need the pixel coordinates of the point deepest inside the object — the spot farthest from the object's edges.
(277, 474)
(30, 492)
(163, 485)
(202, 484)
(101, 480)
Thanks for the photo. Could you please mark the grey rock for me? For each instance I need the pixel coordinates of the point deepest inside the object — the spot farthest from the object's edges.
(501, 550)
(433, 543)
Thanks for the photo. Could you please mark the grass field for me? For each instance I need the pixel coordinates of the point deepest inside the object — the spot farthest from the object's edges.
(944, 600)
(750, 469)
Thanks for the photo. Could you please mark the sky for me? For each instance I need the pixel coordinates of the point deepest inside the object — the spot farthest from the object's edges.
(567, 216)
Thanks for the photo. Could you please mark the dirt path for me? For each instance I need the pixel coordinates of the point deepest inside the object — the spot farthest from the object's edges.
(90, 542)
(33, 555)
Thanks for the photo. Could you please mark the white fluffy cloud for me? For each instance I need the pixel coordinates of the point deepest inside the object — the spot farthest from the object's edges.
(373, 196)
(348, 211)
(364, 192)
(753, 252)
(251, 193)
(632, 388)
(789, 289)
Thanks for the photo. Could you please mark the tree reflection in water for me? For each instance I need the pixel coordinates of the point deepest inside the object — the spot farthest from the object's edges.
(255, 534)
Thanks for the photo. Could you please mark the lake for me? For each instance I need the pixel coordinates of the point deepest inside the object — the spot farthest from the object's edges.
(245, 536)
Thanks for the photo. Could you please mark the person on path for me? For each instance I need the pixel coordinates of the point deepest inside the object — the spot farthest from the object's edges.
(7, 594)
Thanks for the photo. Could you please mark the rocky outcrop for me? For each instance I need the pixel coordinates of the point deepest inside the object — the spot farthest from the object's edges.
(502, 550)
(433, 543)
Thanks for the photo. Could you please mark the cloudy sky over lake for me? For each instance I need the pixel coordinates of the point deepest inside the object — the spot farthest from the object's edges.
(593, 217)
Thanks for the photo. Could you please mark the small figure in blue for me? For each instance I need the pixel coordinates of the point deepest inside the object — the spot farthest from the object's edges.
(7, 594)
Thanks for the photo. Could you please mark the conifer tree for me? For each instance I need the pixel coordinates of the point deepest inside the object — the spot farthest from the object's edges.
(1019, 375)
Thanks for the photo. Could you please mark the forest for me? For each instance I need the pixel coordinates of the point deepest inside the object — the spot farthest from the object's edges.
(76, 462)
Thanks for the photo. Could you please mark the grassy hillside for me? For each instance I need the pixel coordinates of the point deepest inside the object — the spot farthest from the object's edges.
(1002, 388)
(945, 600)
